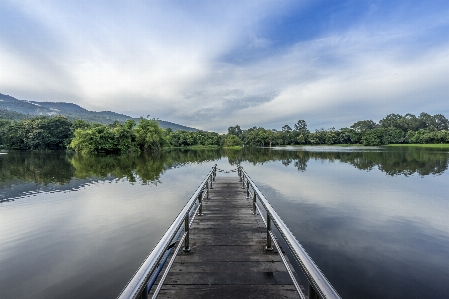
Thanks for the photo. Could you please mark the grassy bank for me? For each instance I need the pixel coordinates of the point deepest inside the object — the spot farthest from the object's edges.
(202, 147)
(437, 145)
(348, 145)
(193, 147)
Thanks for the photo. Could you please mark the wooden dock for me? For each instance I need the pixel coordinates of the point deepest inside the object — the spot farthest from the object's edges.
(228, 257)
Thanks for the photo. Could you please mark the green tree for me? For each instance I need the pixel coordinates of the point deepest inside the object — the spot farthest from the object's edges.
(270, 136)
(285, 136)
(302, 138)
(440, 122)
(149, 135)
(98, 139)
(301, 126)
(119, 138)
(232, 140)
(373, 137)
(332, 136)
(363, 125)
(235, 131)
(410, 122)
(300, 134)
(39, 133)
(4, 125)
(349, 136)
(124, 137)
(80, 124)
(391, 121)
(286, 128)
(426, 120)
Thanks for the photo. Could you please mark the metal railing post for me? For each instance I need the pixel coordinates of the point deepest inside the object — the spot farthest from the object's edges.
(207, 190)
(312, 293)
(187, 230)
(269, 246)
(211, 185)
(243, 183)
(247, 189)
(240, 174)
(200, 200)
(214, 174)
(254, 203)
(320, 287)
(144, 294)
(146, 275)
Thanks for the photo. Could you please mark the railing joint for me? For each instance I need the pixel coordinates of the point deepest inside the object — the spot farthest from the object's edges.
(187, 230)
(200, 200)
(254, 202)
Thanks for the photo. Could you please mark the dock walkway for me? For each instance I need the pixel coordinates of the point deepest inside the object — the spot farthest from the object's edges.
(228, 257)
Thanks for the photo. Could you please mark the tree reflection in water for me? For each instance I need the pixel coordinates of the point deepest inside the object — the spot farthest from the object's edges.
(45, 171)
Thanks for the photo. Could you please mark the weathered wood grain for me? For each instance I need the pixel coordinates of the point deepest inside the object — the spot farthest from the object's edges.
(228, 257)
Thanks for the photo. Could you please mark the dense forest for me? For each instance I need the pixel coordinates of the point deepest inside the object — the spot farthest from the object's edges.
(393, 129)
(145, 135)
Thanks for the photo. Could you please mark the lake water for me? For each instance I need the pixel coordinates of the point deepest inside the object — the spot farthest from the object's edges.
(374, 220)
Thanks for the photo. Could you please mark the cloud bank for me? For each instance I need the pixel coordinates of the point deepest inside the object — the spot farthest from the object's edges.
(215, 64)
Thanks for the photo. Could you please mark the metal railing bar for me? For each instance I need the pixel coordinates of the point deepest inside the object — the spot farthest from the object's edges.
(193, 216)
(287, 266)
(139, 281)
(261, 216)
(161, 282)
(315, 277)
(284, 260)
(170, 263)
(165, 257)
(157, 271)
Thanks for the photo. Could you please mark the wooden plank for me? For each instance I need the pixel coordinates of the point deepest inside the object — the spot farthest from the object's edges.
(237, 278)
(228, 257)
(206, 231)
(228, 291)
(228, 267)
(233, 253)
(226, 239)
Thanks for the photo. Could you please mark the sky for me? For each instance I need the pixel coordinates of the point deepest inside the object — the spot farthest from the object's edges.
(215, 64)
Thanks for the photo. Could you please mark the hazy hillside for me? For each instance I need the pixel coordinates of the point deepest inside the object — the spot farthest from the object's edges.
(12, 108)
(11, 115)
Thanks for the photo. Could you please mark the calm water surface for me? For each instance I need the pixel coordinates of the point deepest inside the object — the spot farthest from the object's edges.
(375, 220)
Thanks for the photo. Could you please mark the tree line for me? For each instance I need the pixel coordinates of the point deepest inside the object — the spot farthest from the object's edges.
(58, 132)
(393, 129)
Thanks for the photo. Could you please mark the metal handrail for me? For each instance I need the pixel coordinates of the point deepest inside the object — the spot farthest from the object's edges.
(138, 285)
(318, 284)
(283, 258)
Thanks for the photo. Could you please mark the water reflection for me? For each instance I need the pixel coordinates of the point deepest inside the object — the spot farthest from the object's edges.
(36, 167)
(391, 160)
(377, 233)
(25, 172)
(373, 235)
(144, 169)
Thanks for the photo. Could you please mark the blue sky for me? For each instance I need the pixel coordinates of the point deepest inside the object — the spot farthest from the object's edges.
(213, 64)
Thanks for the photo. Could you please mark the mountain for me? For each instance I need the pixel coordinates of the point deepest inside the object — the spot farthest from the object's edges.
(12, 108)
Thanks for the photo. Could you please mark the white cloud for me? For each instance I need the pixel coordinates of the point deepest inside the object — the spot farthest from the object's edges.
(326, 78)
(138, 51)
(166, 59)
